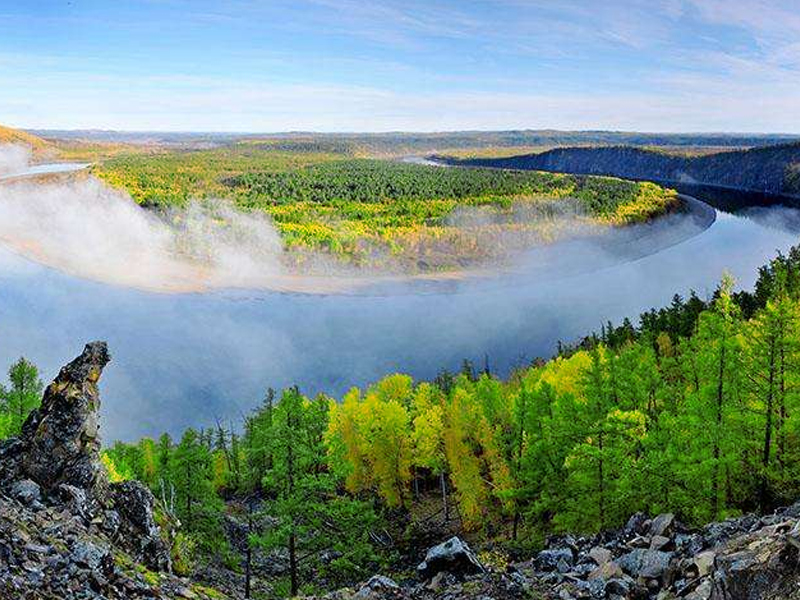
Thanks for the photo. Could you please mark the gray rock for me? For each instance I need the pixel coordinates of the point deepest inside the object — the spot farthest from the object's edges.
(650, 564)
(26, 491)
(88, 555)
(548, 560)
(377, 588)
(618, 586)
(600, 555)
(636, 524)
(137, 527)
(659, 542)
(662, 525)
(75, 500)
(453, 556)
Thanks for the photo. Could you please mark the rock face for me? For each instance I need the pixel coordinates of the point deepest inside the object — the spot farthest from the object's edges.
(61, 441)
(65, 531)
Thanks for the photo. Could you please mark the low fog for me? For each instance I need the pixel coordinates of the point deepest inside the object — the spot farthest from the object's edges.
(87, 229)
(13, 158)
(81, 226)
(188, 359)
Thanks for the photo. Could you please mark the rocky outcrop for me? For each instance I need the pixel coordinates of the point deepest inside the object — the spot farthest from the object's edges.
(60, 441)
(65, 530)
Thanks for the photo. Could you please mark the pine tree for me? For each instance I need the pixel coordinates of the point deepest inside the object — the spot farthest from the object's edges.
(23, 395)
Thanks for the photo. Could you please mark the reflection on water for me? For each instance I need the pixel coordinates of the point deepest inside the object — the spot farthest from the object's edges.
(183, 360)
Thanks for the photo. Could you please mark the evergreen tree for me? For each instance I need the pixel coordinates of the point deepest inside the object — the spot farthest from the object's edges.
(22, 396)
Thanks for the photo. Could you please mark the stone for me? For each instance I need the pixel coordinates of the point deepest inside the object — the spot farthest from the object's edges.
(636, 524)
(704, 562)
(378, 587)
(618, 586)
(650, 564)
(26, 491)
(134, 503)
(600, 555)
(607, 570)
(548, 560)
(701, 592)
(88, 555)
(659, 542)
(453, 556)
(75, 500)
(662, 525)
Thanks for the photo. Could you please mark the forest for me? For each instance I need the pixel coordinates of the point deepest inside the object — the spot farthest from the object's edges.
(694, 410)
(370, 212)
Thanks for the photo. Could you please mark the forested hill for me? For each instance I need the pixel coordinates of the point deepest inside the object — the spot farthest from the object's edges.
(17, 136)
(773, 169)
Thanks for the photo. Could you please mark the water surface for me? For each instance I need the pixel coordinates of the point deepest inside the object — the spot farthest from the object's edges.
(189, 359)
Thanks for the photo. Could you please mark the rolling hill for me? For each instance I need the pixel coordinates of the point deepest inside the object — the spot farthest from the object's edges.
(17, 136)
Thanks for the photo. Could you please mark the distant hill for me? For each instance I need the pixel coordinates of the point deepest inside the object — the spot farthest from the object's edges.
(403, 142)
(16, 136)
(772, 169)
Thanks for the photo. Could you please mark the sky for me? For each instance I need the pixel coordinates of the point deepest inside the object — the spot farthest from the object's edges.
(390, 65)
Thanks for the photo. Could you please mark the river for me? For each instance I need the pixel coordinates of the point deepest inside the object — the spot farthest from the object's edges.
(188, 359)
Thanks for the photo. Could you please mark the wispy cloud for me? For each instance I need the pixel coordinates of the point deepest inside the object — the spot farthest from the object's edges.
(411, 64)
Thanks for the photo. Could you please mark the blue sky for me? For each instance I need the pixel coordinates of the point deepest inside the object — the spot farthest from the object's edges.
(378, 65)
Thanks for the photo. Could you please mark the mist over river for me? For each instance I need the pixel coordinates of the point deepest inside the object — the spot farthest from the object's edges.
(188, 359)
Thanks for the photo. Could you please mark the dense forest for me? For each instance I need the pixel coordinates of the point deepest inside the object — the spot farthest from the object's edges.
(771, 169)
(694, 410)
(372, 212)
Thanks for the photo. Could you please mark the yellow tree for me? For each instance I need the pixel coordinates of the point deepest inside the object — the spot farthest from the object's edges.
(429, 447)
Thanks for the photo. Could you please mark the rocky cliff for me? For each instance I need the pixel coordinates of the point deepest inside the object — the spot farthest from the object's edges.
(773, 169)
(65, 530)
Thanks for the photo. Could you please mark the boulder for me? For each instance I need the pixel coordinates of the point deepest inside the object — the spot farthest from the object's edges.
(704, 562)
(662, 525)
(600, 555)
(607, 570)
(26, 491)
(659, 542)
(757, 566)
(649, 564)
(453, 556)
(554, 559)
(378, 587)
(636, 525)
(137, 528)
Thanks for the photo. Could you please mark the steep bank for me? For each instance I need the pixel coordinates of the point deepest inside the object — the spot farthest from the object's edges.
(773, 169)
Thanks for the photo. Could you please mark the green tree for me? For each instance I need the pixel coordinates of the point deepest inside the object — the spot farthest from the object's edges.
(22, 396)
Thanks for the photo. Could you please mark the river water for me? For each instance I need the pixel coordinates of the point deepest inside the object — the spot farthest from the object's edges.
(188, 359)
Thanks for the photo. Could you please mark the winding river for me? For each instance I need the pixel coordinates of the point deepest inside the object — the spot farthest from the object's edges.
(187, 359)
